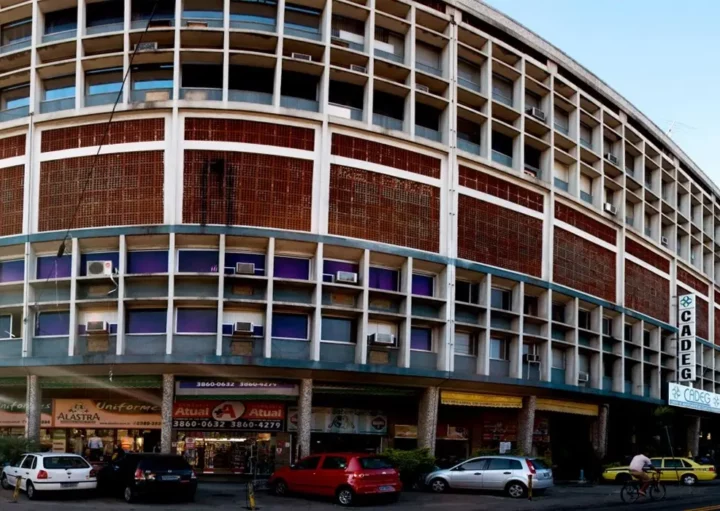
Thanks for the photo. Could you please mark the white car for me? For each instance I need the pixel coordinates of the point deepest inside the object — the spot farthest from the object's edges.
(42, 472)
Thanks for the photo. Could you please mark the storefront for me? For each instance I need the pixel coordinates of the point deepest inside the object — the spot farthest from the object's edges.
(13, 419)
(344, 429)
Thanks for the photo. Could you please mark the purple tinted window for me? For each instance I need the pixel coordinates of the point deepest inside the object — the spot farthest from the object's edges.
(382, 278)
(290, 326)
(197, 321)
(98, 256)
(421, 339)
(332, 267)
(292, 268)
(422, 285)
(231, 259)
(147, 261)
(52, 323)
(52, 267)
(12, 271)
(146, 321)
(197, 261)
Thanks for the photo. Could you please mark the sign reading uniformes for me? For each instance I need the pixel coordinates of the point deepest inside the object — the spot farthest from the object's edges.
(696, 399)
(686, 338)
(228, 415)
(343, 420)
(93, 413)
(13, 413)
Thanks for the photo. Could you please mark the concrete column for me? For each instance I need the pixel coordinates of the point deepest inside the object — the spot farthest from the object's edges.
(427, 418)
(693, 436)
(304, 417)
(599, 431)
(168, 393)
(526, 425)
(33, 408)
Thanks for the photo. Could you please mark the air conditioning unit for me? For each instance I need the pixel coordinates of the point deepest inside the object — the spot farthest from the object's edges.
(381, 339)
(531, 358)
(537, 113)
(99, 268)
(664, 241)
(347, 277)
(422, 88)
(609, 208)
(147, 46)
(243, 328)
(245, 268)
(583, 377)
(359, 69)
(96, 327)
(612, 158)
(301, 56)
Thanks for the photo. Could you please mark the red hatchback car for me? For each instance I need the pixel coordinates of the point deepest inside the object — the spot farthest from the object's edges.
(344, 476)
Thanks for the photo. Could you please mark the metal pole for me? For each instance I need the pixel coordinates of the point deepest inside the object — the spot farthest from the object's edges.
(672, 452)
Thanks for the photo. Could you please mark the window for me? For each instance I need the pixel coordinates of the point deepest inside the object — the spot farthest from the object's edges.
(558, 358)
(292, 268)
(480, 464)
(61, 21)
(232, 258)
(562, 121)
(502, 89)
(113, 257)
(464, 343)
(6, 327)
(498, 349)
(656, 462)
(338, 330)
(421, 339)
(558, 312)
(584, 319)
(64, 462)
(502, 147)
(197, 261)
(530, 306)
(532, 159)
(310, 463)
(59, 88)
(532, 100)
(28, 462)
(585, 134)
(423, 285)
(12, 271)
(15, 97)
(52, 267)
(334, 463)
(383, 278)
(583, 363)
(466, 292)
(52, 323)
(629, 163)
(147, 261)
(146, 321)
(500, 299)
(628, 332)
(561, 175)
(333, 267)
(16, 31)
(196, 321)
(609, 196)
(104, 13)
(504, 464)
(375, 463)
(290, 326)
(607, 326)
(646, 338)
(586, 183)
(675, 464)
(608, 145)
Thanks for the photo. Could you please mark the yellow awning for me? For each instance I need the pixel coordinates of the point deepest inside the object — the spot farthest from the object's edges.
(486, 400)
(555, 405)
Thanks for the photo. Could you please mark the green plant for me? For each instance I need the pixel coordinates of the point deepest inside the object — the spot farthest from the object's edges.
(411, 464)
(11, 447)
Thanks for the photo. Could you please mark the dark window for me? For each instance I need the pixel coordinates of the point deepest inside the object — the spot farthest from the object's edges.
(104, 13)
(17, 461)
(607, 326)
(656, 462)
(196, 321)
(53, 267)
(422, 285)
(539, 464)
(500, 299)
(646, 338)
(628, 333)
(308, 463)
(530, 307)
(584, 319)
(421, 339)
(338, 329)
(475, 465)
(292, 268)
(299, 85)
(205, 76)
(113, 257)
(6, 326)
(504, 464)
(197, 261)
(375, 463)
(383, 278)
(12, 271)
(558, 312)
(346, 94)
(334, 463)
(146, 321)
(674, 464)
(233, 258)
(388, 105)
(290, 326)
(532, 158)
(52, 323)
(29, 461)
(147, 261)
(502, 144)
(498, 349)
(462, 291)
(61, 21)
(64, 462)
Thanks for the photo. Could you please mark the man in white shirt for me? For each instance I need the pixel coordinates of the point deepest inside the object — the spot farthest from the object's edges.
(95, 444)
(637, 470)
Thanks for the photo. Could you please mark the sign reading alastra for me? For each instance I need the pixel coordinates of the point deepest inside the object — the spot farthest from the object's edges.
(686, 338)
(91, 413)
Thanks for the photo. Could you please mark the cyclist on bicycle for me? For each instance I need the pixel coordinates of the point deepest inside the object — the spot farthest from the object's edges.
(638, 467)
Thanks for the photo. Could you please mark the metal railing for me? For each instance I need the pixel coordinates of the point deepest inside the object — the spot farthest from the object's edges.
(250, 96)
(14, 113)
(400, 59)
(55, 105)
(102, 29)
(202, 22)
(586, 197)
(629, 220)
(299, 103)
(560, 184)
(467, 146)
(145, 95)
(200, 94)
(15, 45)
(428, 133)
(562, 129)
(502, 98)
(157, 23)
(502, 158)
(253, 25)
(469, 84)
(339, 41)
(387, 122)
(59, 36)
(532, 169)
(428, 69)
(630, 172)
(106, 98)
(356, 114)
(305, 33)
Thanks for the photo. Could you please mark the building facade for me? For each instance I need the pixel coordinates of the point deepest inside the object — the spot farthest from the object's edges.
(422, 202)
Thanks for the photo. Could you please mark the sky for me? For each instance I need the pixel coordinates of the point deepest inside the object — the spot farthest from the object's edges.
(661, 55)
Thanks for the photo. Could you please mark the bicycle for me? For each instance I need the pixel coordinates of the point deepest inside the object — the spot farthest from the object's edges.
(630, 492)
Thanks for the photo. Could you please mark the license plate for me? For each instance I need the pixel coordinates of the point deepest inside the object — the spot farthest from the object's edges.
(546, 475)
(386, 488)
(68, 485)
(170, 478)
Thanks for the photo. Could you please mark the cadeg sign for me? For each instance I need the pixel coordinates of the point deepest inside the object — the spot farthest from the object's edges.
(686, 338)
(696, 399)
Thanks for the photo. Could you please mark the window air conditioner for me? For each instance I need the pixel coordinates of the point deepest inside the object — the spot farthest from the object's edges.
(537, 113)
(609, 208)
(381, 339)
(612, 158)
(95, 327)
(98, 268)
(583, 377)
(664, 241)
(347, 277)
(243, 328)
(531, 358)
(359, 69)
(245, 268)
(301, 56)
(147, 46)
(422, 88)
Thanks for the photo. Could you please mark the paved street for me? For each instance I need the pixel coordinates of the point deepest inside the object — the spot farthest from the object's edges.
(213, 496)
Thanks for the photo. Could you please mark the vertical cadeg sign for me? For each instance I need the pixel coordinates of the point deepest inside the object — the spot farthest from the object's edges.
(686, 338)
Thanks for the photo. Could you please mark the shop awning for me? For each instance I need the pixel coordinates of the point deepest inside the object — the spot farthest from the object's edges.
(485, 400)
(556, 405)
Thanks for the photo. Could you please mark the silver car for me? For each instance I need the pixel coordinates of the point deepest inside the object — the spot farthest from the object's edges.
(499, 473)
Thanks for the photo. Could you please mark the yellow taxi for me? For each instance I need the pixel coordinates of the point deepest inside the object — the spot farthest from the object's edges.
(685, 470)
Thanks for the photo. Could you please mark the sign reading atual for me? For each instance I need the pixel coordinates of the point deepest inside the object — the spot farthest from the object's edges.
(228, 415)
(93, 413)
(686, 338)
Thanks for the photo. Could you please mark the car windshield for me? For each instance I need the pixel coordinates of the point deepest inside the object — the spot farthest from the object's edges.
(164, 463)
(539, 464)
(375, 463)
(64, 462)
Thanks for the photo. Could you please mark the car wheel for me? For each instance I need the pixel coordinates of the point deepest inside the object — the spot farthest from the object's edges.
(688, 479)
(345, 496)
(30, 490)
(516, 489)
(622, 478)
(438, 485)
(280, 488)
(4, 482)
(129, 494)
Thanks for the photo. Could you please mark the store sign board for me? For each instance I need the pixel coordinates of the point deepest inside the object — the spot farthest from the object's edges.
(13, 414)
(343, 420)
(211, 387)
(695, 399)
(405, 431)
(686, 338)
(93, 413)
(228, 415)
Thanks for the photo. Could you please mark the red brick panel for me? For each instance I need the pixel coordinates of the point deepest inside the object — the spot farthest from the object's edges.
(12, 183)
(701, 322)
(491, 234)
(576, 219)
(694, 282)
(583, 265)
(383, 208)
(232, 188)
(125, 189)
(12, 146)
(646, 292)
(382, 154)
(89, 135)
(249, 132)
(500, 188)
(636, 249)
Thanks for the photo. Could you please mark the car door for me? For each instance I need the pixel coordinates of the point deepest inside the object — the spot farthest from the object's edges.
(13, 470)
(499, 471)
(468, 475)
(303, 475)
(672, 469)
(331, 474)
(26, 470)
